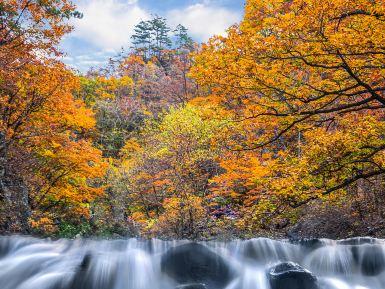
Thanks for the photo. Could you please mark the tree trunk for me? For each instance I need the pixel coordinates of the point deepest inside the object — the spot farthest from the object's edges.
(14, 202)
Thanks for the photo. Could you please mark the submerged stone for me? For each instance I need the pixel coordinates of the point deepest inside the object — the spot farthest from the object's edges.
(372, 260)
(192, 286)
(86, 277)
(290, 275)
(265, 250)
(195, 263)
(357, 241)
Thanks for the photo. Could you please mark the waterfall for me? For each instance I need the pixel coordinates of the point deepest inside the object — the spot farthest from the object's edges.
(30, 263)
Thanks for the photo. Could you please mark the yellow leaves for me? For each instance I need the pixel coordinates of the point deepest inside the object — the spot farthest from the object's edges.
(68, 162)
(103, 88)
(109, 87)
(43, 224)
(131, 147)
(288, 73)
(180, 212)
(78, 117)
(47, 153)
(187, 132)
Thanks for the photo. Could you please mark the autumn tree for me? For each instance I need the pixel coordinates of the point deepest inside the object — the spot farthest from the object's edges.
(43, 129)
(165, 173)
(304, 80)
(118, 114)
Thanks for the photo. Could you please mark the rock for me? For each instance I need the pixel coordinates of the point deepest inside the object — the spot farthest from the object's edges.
(289, 275)
(116, 236)
(80, 279)
(5, 246)
(372, 260)
(309, 244)
(194, 263)
(266, 250)
(320, 222)
(357, 241)
(192, 286)
(85, 276)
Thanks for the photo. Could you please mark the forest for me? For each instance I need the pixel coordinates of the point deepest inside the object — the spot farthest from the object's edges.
(276, 129)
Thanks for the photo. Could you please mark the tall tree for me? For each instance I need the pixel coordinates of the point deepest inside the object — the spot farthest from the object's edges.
(42, 127)
(183, 40)
(151, 38)
(142, 38)
(160, 35)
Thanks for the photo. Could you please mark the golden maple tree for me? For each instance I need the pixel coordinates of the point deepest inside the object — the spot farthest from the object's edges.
(47, 161)
(305, 80)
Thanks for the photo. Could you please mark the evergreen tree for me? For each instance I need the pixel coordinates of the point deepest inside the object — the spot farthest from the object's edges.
(141, 39)
(151, 37)
(183, 40)
(160, 35)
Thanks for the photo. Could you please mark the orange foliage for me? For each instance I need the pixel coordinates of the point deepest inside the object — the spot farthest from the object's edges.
(45, 132)
(303, 80)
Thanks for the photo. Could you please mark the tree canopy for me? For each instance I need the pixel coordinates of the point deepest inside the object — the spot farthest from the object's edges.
(248, 134)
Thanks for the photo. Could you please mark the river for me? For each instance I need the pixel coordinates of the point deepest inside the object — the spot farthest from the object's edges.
(30, 263)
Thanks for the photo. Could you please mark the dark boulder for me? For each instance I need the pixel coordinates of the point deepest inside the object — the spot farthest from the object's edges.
(266, 250)
(309, 244)
(5, 246)
(85, 276)
(289, 275)
(192, 286)
(81, 278)
(195, 263)
(372, 260)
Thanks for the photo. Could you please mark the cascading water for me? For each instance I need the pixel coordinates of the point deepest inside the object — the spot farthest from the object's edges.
(28, 263)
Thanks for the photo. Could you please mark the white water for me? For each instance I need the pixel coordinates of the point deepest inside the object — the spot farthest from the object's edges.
(28, 263)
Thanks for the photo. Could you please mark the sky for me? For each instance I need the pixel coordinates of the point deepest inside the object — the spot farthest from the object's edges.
(107, 25)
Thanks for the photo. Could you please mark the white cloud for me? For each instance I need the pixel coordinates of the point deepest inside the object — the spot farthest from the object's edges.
(83, 62)
(108, 24)
(204, 20)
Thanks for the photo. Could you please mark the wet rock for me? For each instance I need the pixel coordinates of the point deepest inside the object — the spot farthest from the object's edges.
(80, 279)
(266, 250)
(289, 275)
(357, 241)
(320, 222)
(85, 276)
(372, 260)
(195, 263)
(309, 244)
(192, 286)
(5, 246)
(331, 260)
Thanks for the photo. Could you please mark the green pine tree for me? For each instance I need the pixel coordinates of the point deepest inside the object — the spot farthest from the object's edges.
(142, 39)
(160, 36)
(183, 40)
